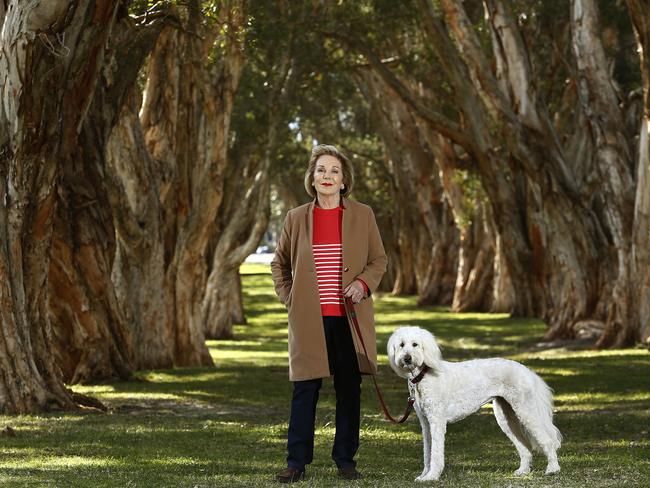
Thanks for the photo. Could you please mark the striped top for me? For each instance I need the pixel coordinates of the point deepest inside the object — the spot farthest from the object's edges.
(328, 258)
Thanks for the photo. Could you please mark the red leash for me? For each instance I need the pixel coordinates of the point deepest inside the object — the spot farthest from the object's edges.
(349, 304)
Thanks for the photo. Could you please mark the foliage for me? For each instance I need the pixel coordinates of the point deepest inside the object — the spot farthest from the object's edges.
(473, 194)
(226, 426)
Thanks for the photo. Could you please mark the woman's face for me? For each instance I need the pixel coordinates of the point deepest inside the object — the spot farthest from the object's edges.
(328, 175)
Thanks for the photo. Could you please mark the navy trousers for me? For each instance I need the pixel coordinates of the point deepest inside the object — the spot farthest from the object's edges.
(347, 384)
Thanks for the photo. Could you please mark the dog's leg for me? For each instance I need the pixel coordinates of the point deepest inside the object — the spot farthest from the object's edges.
(511, 427)
(539, 425)
(438, 428)
(426, 443)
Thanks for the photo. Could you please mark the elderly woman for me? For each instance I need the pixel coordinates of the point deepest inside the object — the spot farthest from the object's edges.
(329, 249)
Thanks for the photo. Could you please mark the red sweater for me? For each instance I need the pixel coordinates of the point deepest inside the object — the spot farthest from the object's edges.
(328, 258)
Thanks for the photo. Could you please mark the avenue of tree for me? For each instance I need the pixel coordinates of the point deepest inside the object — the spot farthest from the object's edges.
(146, 147)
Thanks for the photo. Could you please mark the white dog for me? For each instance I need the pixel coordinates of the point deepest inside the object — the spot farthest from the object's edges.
(445, 392)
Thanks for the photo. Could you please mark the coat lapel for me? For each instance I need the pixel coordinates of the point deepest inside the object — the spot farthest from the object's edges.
(310, 233)
(346, 237)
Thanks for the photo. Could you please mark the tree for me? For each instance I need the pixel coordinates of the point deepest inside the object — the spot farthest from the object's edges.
(427, 236)
(47, 86)
(612, 157)
(186, 120)
(554, 230)
(640, 289)
(95, 335)
(261, 110)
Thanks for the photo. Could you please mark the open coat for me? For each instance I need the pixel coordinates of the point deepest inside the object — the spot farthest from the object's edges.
(294, 275)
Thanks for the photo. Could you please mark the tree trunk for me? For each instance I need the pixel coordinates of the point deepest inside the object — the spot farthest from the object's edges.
(47, 86)
(245, 210)
(475, 135)
(245, 224)
(139, 268)
(91, 339)
(237, 299)
(613, 160)
(640, 287)
(473, 287)
(186, 118)
(95, 331)
(564, 237)
(427, 238)
(473, 290)
(477, 269)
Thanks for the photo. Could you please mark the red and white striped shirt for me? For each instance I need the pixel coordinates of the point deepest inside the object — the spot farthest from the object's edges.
(328, 258)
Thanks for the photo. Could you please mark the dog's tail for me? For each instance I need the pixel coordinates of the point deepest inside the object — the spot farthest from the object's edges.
(542, 406)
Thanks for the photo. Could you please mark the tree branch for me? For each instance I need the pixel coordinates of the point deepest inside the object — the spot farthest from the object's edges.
(439, 122)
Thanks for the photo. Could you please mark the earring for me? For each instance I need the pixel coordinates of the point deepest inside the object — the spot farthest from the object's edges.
(342, 187)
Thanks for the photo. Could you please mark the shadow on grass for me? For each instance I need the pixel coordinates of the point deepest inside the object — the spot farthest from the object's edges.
(176, 450)
(226, 426)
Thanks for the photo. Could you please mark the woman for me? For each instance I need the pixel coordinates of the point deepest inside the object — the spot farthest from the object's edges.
(329, 249)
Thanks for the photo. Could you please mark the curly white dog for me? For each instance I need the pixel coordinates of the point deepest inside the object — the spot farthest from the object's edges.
(445, 392)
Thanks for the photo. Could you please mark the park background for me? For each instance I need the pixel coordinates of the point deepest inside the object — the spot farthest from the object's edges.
(148, 148)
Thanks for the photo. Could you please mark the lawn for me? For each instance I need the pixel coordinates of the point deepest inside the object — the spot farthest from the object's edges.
(226, 426)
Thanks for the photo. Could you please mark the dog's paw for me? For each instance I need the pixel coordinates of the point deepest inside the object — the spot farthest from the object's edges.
(552, 469)
(522, 471)
(428, 477)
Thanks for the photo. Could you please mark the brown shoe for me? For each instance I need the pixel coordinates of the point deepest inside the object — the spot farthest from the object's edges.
(349, 473)
(290, 475)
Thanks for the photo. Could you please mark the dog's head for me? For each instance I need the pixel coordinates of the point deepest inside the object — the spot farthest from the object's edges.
(411, 348)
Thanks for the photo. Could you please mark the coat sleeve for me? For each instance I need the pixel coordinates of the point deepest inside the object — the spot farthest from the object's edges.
(281, 264)
(377, 260)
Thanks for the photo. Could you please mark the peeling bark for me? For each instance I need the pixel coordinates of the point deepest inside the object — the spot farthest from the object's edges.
(640, 288)
(613, 161)
(426, 238)
(139, 267)
(46, 88)
(563, 237)
(96, 336)
(245, 211)
(186, 116)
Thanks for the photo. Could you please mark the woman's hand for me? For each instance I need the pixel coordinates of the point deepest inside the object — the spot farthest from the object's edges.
(355, 290)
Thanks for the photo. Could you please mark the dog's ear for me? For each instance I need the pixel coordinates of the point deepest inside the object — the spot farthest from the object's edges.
(431, 351)
(390, 350)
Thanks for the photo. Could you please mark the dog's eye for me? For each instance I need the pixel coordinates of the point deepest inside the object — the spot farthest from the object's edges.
(401, 345)
(415, 344)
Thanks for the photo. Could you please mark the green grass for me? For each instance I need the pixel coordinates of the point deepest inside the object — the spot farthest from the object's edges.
(226, 426)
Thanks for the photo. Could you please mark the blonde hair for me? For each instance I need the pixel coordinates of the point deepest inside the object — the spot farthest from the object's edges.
(346, 167)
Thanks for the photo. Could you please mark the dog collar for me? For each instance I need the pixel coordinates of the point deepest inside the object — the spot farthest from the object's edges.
(419, 377)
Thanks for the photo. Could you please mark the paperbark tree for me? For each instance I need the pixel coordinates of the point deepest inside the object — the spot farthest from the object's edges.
(614, 163)
(481, 270)
(564, 238)
(262, 111)
(640, 260)
(427, 239)
(473, 132)
(139, 269)
(52, 54)
(94, 332)
(186, 117)
(547, 235)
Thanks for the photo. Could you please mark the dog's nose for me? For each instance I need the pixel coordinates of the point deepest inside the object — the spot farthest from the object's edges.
(407, 359)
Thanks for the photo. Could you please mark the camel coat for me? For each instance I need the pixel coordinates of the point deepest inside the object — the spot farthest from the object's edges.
(294, 275)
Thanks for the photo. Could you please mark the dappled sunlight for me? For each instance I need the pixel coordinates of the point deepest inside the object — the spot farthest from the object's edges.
(626, 354)
(254, 268)
(600, 400)
(27, 460)
(174, 375)
(211, 425)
